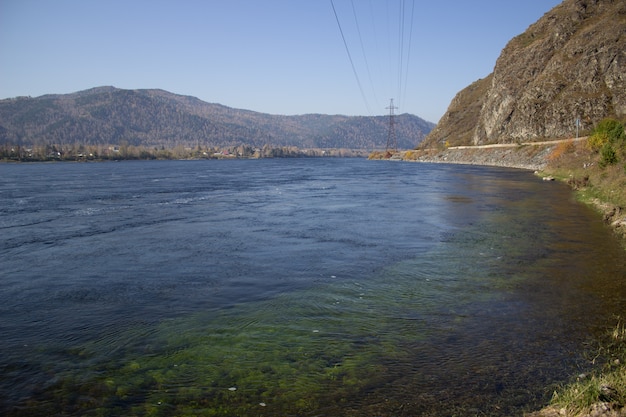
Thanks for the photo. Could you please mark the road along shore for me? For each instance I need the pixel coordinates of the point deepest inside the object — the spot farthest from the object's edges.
(527, 155)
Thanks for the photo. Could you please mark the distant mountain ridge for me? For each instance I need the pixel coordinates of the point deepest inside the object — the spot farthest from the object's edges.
(157, 118)
(569, 65)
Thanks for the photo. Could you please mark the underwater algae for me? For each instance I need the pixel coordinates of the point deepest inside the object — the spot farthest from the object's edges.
(292, 354)
(415, 331)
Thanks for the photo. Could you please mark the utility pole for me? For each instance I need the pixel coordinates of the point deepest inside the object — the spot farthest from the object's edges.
(392, 142)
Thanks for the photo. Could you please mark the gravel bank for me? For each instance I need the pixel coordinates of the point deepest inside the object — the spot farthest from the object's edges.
(531, 157)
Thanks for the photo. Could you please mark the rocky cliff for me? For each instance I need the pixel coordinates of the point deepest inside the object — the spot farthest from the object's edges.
(570, 64)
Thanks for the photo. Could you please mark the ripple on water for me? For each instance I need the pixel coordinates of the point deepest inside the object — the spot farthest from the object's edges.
(295, 288)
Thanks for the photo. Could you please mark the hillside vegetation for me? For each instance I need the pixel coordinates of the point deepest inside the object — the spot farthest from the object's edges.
(596, 169)
(156, 119)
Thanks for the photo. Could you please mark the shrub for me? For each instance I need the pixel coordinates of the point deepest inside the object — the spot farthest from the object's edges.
(607, 155)
(613, 128)
(577, 183)
(597, 140)
(608, 131)
(561, 149)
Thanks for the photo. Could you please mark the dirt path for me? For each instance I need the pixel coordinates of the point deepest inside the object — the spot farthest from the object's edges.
(525, 155)
(513, 145)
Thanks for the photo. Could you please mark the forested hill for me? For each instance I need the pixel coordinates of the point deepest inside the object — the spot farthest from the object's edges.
(157, 118)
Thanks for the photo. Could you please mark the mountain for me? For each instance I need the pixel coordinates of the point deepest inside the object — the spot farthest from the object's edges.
(570, 64)
(157, 118)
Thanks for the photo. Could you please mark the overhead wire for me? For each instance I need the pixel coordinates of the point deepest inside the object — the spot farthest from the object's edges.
(379, 65)
(400, 47)
(367, 67)
(350, 58)
(408, 54)
(404, 44)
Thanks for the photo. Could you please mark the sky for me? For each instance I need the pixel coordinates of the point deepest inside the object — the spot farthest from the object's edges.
(273, 56)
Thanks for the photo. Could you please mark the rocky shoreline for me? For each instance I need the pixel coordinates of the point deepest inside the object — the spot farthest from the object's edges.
(531, 157)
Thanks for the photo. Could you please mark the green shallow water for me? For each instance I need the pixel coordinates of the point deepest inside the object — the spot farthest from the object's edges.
(404, 340)
(478, 302)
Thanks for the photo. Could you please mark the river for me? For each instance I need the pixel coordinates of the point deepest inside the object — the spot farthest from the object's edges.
(309, 287)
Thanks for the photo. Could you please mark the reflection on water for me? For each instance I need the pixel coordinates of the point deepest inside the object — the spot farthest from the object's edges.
(306, 288)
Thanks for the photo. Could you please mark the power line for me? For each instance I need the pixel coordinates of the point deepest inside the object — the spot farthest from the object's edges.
(367, 67)
(350, 58)
(400, 47)
(399, 80)
(408, 54)
(403, 65)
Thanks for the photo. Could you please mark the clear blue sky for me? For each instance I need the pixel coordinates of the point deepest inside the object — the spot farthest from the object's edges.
(271, 56)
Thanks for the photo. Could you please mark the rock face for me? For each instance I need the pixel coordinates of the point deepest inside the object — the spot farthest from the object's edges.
(457, 126)
(571, 64)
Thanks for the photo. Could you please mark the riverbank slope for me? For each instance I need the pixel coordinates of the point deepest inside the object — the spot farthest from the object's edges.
(531, 155)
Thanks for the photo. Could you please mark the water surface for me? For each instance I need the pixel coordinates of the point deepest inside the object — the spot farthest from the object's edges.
(295, 287)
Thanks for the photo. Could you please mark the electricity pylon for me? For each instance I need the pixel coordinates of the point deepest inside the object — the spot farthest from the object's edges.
(392, 142)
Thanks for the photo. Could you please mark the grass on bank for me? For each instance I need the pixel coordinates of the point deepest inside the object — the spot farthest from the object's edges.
(606, 385)
(596, 169)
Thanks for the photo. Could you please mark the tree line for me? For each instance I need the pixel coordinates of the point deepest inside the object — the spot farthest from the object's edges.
(125, 151)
